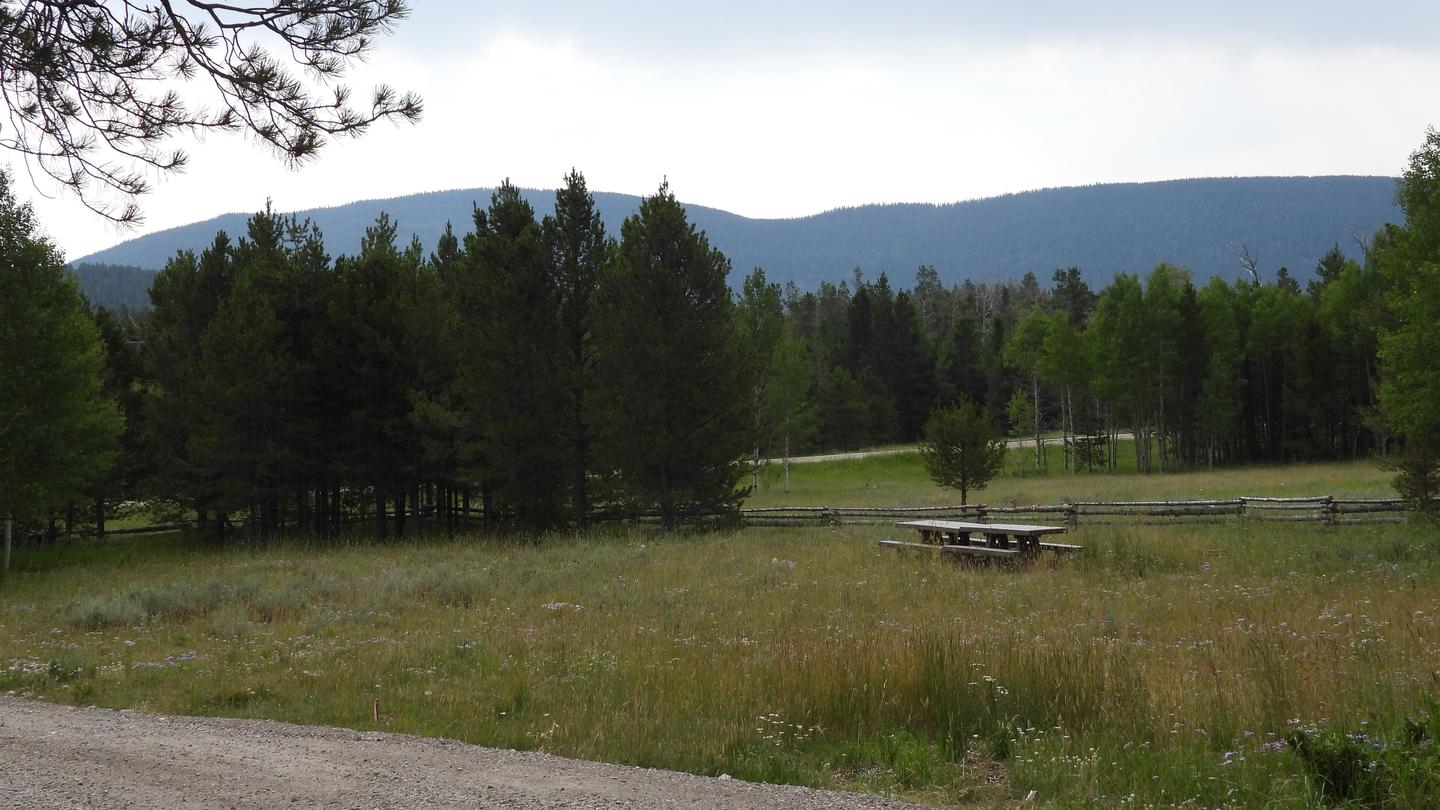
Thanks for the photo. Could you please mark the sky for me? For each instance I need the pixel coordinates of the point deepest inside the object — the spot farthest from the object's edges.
(776, 109)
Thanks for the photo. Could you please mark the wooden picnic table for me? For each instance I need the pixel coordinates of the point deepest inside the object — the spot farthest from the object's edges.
(995, 539)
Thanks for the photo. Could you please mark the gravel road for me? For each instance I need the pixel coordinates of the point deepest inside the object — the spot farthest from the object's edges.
(894, 451)
(59, 756)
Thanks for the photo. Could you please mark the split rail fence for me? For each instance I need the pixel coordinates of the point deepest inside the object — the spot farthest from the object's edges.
(1324, 509)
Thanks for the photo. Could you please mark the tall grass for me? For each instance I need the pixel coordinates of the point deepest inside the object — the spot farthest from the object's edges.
(1153, 667)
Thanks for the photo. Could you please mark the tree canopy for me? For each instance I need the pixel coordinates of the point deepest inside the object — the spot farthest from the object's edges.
(963, 449)
(58, 433)
(87, 91)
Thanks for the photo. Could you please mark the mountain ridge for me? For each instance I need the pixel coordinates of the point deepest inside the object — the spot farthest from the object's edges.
(1103, 228)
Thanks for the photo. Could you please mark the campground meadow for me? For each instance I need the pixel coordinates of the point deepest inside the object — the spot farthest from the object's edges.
(1163, 665)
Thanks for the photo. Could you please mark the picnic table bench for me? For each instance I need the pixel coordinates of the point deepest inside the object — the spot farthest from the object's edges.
(994, 541)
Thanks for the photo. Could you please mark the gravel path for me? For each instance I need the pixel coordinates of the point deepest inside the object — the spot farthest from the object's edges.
(58, 756)
(894, 451)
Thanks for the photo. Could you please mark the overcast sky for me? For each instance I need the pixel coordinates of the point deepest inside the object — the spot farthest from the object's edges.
(776, 109)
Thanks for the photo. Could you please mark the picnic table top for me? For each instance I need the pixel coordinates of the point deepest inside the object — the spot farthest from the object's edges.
(993, 528)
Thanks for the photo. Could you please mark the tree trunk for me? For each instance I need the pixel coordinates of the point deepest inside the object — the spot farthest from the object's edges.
(1035, 409)
(667, 501)
(380, 527)
(487, 504)
(9, 528)
(100, 518)
(581, 484)
(787, 463)
(417, 509)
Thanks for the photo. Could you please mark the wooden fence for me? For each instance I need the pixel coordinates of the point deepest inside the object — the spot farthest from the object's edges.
(1324, 509)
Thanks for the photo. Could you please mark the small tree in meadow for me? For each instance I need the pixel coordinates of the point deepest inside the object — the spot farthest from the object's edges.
(962, 449)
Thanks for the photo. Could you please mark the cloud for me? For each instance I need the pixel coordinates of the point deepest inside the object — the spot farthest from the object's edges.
(767, 131)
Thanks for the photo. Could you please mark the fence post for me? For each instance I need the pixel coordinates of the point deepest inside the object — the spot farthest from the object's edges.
(1072, 516)
(1330, 511)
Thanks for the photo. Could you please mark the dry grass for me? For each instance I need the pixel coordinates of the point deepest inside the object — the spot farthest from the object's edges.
(808, 656)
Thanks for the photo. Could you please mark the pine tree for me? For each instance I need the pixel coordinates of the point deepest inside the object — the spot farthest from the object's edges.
(578, 250)
(512, 375)
(185, 296)
(675, 374)
(962, 448)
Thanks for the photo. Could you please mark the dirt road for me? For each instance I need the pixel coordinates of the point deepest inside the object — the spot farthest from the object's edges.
(891, 451)
(58, 756)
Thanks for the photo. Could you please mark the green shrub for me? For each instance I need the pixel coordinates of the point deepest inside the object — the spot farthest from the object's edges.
(98, 613)
(1357, 768)
(180, 601)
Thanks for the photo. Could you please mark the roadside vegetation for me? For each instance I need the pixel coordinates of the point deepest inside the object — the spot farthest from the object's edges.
(1160, 666)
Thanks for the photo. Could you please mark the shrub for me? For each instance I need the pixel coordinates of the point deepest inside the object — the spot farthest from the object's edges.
(98, 613)
(1358, 768)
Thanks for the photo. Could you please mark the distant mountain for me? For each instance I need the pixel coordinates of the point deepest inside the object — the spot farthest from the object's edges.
(1103, 229)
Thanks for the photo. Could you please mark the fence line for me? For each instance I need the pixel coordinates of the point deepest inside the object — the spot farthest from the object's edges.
(1324, 509)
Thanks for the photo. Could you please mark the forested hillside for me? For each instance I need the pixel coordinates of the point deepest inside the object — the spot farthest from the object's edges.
(1104, 229)
(555, 371)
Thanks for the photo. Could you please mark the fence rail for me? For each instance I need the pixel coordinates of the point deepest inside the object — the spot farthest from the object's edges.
(1324, 509)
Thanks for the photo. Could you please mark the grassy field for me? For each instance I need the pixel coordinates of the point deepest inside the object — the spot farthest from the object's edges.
(900, 480)
(1161, 666)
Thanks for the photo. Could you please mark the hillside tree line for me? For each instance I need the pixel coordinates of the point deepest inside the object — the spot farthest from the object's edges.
(538, 372)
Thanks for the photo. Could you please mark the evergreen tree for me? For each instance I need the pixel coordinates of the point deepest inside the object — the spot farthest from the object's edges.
(962, 448)
(844, 412)
(960, 362)
(58, 432)
(579, 250)
(1073, 296)
(122, 383)
(912, 378)
(675, 375)
(512, 374)
(238, 437)
(184, 298)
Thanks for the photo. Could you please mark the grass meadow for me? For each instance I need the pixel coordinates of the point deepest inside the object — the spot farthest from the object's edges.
(899, 479)
(1162, 666)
